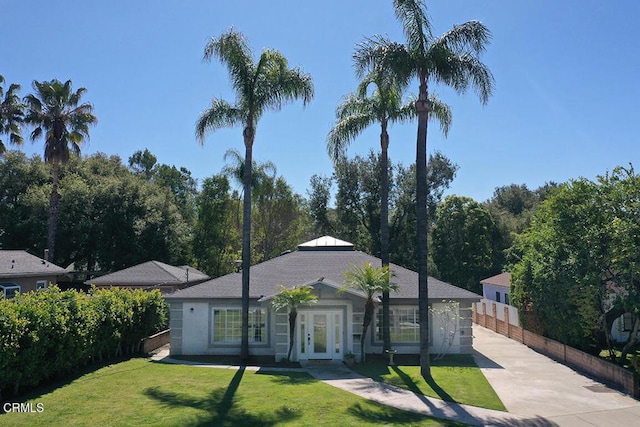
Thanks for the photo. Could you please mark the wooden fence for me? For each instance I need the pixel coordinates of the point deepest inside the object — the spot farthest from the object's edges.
(503, 319)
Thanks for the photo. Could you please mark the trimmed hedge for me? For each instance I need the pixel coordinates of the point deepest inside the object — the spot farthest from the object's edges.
(49, 333)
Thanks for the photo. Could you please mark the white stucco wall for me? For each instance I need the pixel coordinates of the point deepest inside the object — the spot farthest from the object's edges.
(489, 292)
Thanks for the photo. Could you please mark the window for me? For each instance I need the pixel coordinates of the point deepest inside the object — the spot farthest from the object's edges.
(8, 290)
(506, 298)
(403, 324)
(227, 325)
(41, 284)
(627, 322)
(497, 296)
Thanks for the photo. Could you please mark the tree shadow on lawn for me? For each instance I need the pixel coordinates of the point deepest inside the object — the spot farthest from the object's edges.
(288, 378)
(379, 414)
(376, 368)
(221, 407)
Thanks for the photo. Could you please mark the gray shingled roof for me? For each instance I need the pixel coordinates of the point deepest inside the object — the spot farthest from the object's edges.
(302, 267)
(150, 273)
(15, 263)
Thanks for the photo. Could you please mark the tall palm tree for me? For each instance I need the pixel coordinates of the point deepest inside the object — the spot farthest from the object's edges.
(55, 111)
(371, 281)
(291, 299)
(259, 86)
(451, 59)
(361, 110)
(11, 115)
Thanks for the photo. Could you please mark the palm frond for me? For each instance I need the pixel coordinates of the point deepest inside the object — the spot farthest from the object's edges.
(232, 49)
(220, 114)
(472, 36)
(369, 279)
(413, 17)
(440, 112)
(354, 116)
(461, 71)
(276, 84)
(404, 113)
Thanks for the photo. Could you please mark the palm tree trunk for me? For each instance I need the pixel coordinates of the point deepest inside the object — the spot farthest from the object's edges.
(368, 315)
(54, 202)
(384, 231)
(422, 109)
(292, 331)
(248, 134)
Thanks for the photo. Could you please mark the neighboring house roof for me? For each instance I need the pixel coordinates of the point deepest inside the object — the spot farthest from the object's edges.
(316, 266)
(502, 280)
(150, 273)
(17, 263)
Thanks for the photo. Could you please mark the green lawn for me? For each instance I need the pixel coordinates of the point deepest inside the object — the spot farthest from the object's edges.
(140, 392)
(456, 378)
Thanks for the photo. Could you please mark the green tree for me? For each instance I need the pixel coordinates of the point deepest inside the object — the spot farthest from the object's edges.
(23, 201)
(264, 85)
(291, 299)
(370, 281)
(143, 162)
(56, 113)
(451, 59)
(216, 235)
(577, 264)
(356, 215)
(465, 237)
(11, 115)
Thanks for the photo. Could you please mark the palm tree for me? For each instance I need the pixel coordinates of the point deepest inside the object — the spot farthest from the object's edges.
(451, 59)
(11, 115)
(291, 299)
(55, 112)
(371, 281)
(259, 86)
(359, 111)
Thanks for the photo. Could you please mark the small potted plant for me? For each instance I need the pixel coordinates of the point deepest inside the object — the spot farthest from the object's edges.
(350, 359)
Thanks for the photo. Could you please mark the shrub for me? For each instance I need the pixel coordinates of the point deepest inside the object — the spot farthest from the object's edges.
(48, 333)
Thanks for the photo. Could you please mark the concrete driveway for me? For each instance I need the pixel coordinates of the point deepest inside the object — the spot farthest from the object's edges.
(530, 384)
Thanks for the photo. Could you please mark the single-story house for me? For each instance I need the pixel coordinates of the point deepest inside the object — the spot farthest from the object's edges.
(496, 288)
(205, 319)
(22, 272)
(151, 275)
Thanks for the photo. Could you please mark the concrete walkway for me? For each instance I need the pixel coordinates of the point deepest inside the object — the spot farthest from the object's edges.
(530, 384)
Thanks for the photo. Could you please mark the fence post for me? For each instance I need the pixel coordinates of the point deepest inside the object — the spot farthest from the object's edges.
(484, 314)
(506, 318)
(494, 313)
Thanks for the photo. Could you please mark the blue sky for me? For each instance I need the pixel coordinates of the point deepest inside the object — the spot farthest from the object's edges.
(565, 103)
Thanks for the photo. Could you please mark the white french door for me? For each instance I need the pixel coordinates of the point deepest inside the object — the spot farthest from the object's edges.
(320, 335)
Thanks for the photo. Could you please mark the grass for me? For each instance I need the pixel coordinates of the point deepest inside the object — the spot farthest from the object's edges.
(456, 378)
(140, 392)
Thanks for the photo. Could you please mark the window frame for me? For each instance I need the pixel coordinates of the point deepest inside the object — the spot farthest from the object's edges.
(41, 285)
(627, 317)
(262, 330)
(377, 324)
